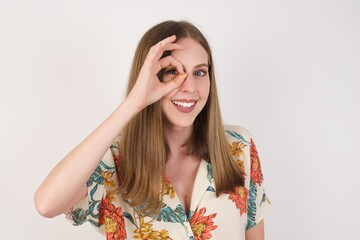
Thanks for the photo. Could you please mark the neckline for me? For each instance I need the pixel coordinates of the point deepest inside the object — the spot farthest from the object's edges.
(200, 185)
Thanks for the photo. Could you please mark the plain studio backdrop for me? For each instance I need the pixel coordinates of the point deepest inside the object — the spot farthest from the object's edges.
(286, 70)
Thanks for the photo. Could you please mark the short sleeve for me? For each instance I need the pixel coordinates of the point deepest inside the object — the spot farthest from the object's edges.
(258, 203)
(103, 179)
(243, 149)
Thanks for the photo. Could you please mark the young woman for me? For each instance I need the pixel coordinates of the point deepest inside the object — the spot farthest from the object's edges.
(163, 165)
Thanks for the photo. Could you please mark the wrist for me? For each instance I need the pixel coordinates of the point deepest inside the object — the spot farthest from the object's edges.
(131, 106)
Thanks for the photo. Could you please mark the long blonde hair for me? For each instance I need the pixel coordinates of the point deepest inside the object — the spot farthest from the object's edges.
(143, 148)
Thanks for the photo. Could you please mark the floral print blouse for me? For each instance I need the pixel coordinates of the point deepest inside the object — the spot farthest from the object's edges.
(225, 217)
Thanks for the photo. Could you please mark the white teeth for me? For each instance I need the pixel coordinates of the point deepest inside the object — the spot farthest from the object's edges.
(184, 104)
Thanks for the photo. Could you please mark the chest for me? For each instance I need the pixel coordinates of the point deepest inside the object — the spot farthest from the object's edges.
(182, 174)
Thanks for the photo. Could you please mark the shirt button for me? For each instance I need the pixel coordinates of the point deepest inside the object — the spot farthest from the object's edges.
(189, 234)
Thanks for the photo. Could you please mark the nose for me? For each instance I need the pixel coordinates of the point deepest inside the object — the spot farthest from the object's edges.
(188, 84)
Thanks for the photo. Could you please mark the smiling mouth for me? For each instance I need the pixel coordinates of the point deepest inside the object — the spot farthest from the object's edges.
(184, 104)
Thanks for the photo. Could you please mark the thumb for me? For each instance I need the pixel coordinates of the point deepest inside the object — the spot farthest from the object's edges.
(176, 83)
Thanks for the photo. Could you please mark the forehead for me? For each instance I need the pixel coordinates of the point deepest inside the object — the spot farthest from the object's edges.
(191, 54)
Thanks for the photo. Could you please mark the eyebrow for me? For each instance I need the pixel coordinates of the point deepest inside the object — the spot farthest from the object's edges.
(199, 65)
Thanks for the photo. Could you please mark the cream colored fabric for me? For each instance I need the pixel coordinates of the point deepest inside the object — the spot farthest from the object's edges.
(225, 217)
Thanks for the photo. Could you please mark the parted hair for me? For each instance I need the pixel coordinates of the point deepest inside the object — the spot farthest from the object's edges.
(143, 147)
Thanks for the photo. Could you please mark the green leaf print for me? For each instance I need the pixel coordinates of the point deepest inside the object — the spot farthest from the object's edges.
(263, 199)
(128, 216)
(191, 213)
(79, 216)
(114, 146)
(180, 212)
(168, 215)
(92, 192)
(210, 174)
(106, 167)
(92, 206)
(210, 189)
(251, 205)
(237, 136)
(96, 177)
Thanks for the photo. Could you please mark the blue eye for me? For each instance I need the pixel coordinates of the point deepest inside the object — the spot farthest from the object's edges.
(200, 73)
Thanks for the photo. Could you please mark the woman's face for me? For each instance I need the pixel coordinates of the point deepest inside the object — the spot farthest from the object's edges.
(181, 106)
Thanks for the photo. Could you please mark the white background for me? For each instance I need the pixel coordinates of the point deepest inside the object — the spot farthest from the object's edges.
(286, 70)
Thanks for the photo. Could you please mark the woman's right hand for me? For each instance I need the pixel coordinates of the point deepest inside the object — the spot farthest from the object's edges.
(148, 87)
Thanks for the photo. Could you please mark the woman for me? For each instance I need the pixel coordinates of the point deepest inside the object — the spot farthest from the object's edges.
(172, 171)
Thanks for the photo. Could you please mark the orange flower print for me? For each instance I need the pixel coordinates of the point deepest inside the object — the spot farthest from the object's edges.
(117, 159)
(202, 225)
(255, 169)
(110, 195)
(116, 156)
(241, 164)
(147, 232)
(237, 150)
(108, 181)
(113, 219)
(169, 190)
(239, 197)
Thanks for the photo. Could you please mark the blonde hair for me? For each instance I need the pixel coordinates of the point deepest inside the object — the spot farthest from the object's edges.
(143, 148)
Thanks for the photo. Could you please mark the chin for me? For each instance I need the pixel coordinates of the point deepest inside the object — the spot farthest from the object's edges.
(184, 123)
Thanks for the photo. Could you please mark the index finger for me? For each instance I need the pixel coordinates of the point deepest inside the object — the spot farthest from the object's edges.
(162, 43)
(167, 40)
(166, 44)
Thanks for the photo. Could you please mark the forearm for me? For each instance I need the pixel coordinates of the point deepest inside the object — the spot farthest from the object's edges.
(66, 182)
(63, 184)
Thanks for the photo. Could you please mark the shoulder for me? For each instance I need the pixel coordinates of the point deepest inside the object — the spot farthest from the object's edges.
(237, 133)
(240, 145)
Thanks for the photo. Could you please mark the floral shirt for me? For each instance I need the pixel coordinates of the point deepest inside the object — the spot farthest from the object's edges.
(225, 217)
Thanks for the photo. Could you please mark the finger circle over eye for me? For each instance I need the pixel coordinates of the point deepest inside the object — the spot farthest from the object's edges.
(170, 61)
(169, 47)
